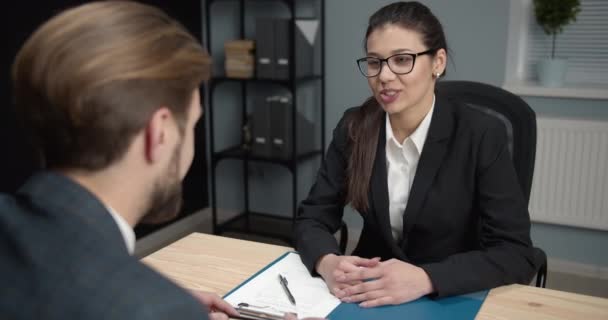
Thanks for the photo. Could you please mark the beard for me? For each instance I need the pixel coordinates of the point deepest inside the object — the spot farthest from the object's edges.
(166, 196)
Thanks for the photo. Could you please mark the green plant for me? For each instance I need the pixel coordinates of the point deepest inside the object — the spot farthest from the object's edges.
(553, 15)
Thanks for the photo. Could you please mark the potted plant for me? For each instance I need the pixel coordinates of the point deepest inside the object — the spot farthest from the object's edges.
(552, 16)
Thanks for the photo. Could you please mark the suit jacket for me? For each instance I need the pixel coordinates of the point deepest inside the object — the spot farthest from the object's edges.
(466, 222)
(63, 257)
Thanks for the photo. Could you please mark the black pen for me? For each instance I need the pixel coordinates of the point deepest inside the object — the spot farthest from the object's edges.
(283, 282)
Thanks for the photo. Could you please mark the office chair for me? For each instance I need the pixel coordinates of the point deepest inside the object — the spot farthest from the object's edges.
(520, 122)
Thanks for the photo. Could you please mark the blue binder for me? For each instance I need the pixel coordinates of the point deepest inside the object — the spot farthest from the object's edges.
(462, 307)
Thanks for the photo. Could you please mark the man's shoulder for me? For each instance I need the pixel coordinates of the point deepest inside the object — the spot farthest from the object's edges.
(7, 203)
(16, 219)
(68, 269)
(131, 290)
(94, 285)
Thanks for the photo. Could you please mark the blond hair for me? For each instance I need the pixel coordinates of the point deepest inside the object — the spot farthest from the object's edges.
(90, 78)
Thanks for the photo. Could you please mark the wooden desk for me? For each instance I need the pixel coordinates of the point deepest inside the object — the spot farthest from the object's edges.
(218, 264)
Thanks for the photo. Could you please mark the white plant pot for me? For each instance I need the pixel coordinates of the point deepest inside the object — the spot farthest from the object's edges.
(551, 72)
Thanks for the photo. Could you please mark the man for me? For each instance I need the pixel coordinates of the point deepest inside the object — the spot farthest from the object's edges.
(110, 93)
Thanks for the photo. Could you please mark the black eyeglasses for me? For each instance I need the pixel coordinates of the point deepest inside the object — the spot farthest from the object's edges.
(400, 63)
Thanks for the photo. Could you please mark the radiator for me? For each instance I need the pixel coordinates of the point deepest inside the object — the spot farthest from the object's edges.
(570, 185)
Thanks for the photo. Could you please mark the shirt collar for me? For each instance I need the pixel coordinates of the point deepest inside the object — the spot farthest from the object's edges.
(125, 229)
(419, 135)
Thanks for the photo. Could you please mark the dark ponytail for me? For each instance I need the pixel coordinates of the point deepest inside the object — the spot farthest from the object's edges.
(363, 131)
(364, 124)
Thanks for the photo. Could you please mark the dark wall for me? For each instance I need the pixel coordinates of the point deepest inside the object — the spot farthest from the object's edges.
(17, 161)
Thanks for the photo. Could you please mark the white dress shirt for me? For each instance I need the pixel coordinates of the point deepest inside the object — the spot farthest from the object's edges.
(127, 232)
(401, 163)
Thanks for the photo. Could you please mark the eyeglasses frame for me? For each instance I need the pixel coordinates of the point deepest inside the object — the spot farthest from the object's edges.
(385, 60)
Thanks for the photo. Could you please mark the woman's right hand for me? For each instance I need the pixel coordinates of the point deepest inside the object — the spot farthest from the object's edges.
(331, 266)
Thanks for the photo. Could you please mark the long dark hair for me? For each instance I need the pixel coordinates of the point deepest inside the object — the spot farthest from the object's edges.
(364, 124)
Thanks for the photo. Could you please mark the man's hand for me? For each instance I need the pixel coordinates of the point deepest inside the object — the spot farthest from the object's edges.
(332, 267)
(391, 282)
(218, 308)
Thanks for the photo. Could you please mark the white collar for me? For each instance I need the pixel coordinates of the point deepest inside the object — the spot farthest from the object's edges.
(418, 137)
(125, 229)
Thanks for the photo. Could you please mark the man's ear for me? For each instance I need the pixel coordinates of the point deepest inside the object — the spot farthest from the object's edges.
(156, 134)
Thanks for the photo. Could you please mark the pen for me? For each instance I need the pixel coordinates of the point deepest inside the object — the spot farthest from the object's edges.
(283, 282)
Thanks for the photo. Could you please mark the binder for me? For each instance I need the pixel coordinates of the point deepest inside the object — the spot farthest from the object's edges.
(260, 128)
(265, 56)
(280, 132)
(282, 30)
(273, 47)
(461, 307)
(281, 139)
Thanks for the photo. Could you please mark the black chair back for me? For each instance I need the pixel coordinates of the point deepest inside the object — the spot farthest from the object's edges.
(520, 123)
(513, 111)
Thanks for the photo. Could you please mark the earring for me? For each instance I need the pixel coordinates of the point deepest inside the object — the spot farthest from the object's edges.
(438, 74)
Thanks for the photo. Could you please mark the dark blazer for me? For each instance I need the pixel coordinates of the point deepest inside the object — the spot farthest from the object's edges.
(466, 222)
(62, 256)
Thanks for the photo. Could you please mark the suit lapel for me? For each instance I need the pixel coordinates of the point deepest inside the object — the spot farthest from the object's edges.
(379, 193)
(430, 161)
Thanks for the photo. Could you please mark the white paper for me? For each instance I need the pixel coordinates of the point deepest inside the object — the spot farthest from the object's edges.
(312, 296)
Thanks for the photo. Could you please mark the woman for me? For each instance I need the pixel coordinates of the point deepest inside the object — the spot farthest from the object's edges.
(433, 180)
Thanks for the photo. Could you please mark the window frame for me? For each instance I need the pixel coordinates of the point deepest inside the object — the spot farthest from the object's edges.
(520, 13)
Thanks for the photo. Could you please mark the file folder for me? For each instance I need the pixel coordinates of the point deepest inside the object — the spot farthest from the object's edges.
(271, 128)
(260, 128)
(274, 49)
(265, 57)
(461, 307)
(281, 49)
(281, 137)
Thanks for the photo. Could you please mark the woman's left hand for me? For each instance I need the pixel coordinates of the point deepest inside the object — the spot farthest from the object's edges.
(390, 282)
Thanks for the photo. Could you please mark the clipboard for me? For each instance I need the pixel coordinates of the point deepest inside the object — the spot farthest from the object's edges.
(256, 313)
(262, 296)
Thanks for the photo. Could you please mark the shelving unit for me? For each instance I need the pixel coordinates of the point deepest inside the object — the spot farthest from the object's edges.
(248, 221)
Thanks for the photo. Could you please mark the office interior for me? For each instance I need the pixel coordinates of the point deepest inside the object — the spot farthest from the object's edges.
(480, 35)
